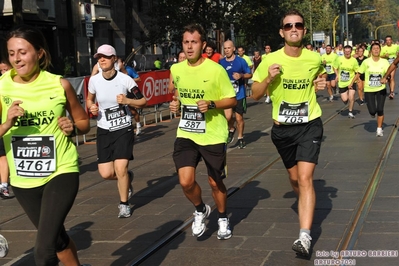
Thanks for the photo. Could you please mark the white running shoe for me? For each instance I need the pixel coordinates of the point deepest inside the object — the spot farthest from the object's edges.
(138, 131)
(350, 115)
(331, 99)
(380, 132)
(224, 231)
(302, 244)
(3, 246)
(267, 99)
(124, 211)
(198, 226)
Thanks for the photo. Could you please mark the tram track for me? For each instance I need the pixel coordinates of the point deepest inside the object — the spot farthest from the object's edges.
(352, 233)
(172, 234)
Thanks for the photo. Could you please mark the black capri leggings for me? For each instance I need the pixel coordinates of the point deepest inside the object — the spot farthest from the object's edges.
(47, 207)
(376, 101)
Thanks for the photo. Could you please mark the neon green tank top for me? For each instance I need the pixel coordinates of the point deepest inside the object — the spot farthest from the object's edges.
(207, 81)
(36, 148)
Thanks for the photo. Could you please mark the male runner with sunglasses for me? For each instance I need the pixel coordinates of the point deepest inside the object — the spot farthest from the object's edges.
(292, 75)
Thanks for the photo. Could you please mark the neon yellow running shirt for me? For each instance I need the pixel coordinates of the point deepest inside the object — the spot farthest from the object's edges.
(346, 71)
(294, 86)
(207, 81)
(373, 71)
(330, 62)
(392, 51)
(36, 148)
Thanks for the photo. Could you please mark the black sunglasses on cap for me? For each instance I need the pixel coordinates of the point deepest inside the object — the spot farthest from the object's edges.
(298, 26)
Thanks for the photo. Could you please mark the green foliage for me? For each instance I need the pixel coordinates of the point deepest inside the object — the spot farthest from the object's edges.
(257, 22)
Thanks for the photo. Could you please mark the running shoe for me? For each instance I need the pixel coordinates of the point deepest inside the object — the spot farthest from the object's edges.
(302, 244)
(350, 115)
(124, 211)
(3, 246)
(4, 193)
(198, 226)
(241, 144)
(230, 138)
(391, 95)
(361, 102)
(138, 131)
(331, 99)
(267, 99)
(224, 231)
(130, 173)
(380, 132)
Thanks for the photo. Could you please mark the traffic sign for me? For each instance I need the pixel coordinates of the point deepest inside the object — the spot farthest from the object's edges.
(89, 23)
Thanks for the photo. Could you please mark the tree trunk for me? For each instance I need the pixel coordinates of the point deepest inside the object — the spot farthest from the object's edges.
(17, 12)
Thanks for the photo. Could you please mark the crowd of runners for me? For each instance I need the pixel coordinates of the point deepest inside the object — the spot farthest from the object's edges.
(210, 95)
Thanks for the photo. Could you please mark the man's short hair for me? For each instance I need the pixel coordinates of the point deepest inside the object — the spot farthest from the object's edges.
(191, 28)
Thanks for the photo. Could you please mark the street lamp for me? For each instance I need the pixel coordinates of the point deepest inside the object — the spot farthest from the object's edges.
(346, 20)
(349, 13)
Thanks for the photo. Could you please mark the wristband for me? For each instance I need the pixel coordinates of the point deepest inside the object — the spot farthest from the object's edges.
(74, 132)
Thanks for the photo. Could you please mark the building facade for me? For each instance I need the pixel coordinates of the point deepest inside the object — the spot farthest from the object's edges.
(73, 43)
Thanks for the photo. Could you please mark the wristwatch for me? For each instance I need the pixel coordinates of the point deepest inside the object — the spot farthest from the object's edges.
(212, 105)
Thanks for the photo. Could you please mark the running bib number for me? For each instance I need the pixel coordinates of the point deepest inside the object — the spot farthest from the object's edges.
(344, 76)
(34, 156)
(391, 59)
(328, 68)
(374, 80)
(235, 85)
(192, 120)
(293, 113)
(117, 117)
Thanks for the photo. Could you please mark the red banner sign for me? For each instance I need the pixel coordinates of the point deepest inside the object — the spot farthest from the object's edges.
(154, 86)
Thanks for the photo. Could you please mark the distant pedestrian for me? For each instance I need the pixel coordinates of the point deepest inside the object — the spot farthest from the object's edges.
(136, 77)
(211, 53)
(157, 63)
(181, 57)
(4, 172)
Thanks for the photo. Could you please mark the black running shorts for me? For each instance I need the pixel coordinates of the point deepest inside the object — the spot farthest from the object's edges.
(345, 89)
(298, 142)
(114, 145)
(2, 148)
(331, 77)
(188, 153)
(241, 106)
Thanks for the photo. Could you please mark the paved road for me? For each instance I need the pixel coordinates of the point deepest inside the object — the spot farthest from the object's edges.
(263, 213)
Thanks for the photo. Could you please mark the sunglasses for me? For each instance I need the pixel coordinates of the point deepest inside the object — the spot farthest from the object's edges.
(289, 26)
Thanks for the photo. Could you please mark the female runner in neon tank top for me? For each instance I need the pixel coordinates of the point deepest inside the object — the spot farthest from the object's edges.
(43, 160)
